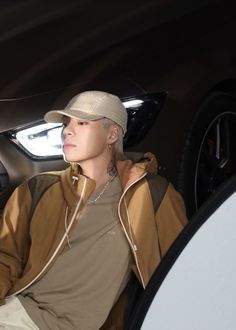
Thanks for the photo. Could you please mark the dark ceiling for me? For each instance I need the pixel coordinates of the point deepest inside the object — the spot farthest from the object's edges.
(38, 37)
(51, 50)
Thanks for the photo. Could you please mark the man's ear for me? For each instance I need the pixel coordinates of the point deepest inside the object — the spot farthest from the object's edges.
(114, 134)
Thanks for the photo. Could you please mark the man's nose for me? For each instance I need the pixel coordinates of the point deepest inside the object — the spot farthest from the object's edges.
(67, 130)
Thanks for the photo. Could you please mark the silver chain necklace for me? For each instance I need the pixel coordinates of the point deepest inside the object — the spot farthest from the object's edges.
(92, 201)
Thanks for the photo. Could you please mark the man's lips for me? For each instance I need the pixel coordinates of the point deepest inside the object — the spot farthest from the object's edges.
(68, 145)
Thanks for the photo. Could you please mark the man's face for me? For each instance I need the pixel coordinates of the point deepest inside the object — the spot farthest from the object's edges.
(83, 140)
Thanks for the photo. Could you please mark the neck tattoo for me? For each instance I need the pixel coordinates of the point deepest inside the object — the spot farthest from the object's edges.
(111, 168)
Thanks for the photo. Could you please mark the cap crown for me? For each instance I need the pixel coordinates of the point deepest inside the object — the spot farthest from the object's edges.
(92, 105)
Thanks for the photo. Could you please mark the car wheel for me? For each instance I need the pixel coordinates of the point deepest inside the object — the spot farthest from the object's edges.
(209, 157)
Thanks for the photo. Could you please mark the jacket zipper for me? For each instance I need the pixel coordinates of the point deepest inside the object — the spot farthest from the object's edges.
(59, 245)
(130, 238)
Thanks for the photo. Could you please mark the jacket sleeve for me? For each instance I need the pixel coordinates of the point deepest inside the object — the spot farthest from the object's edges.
(14, 238)
(171, 218)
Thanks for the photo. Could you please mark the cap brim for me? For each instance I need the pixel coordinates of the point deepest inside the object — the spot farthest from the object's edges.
(56, 116)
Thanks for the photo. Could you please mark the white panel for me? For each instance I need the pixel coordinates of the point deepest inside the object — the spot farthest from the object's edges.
(199, 292)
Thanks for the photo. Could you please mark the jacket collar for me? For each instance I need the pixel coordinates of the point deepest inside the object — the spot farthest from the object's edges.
(72, 183)
(129, 171)
(136, 166)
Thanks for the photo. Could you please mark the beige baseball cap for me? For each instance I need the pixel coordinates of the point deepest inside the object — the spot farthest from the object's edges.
(92, 105)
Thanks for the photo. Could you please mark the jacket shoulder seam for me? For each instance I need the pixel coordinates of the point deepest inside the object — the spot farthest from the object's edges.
(38, 185)
(158, 186)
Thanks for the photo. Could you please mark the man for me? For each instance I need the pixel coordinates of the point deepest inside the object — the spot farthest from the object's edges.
(69, 239)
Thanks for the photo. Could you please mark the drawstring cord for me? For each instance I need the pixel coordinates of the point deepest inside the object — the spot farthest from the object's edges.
(130, 229)
(75, 178)
(66, 228)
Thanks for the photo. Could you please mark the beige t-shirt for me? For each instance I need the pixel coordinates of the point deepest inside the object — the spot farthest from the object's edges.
(86, 279)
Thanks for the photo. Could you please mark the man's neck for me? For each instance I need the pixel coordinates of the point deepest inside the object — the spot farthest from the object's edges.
(99, 171)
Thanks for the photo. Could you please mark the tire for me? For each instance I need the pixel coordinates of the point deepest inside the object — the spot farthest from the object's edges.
(209, 156)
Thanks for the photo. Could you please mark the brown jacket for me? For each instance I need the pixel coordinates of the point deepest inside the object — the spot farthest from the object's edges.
(30, 244)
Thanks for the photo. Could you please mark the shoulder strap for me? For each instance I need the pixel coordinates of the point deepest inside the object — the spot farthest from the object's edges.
(38, 186)
(158, 186)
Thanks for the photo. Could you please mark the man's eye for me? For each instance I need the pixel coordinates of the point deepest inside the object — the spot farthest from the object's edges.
(82, 122)
(64, 125)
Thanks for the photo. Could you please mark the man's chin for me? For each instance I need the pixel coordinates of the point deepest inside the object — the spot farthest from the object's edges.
(70, 159)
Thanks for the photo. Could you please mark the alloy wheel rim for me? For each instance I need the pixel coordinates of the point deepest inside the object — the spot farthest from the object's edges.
(216, 159)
